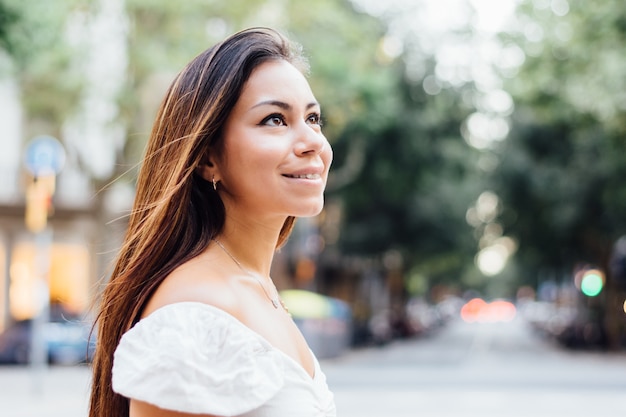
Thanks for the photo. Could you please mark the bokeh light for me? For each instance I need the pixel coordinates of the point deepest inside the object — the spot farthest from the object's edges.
(478, 310)
(592, 282)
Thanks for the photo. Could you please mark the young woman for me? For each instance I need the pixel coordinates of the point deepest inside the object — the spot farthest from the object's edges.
(190, 321)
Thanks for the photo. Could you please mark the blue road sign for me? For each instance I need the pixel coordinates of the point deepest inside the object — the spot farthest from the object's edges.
(44, 155)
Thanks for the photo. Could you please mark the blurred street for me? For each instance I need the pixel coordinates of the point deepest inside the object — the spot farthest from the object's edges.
(467, 370)
(462, 370)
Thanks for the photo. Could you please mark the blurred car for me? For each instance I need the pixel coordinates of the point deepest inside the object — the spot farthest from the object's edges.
(67, 342)
(324, 321)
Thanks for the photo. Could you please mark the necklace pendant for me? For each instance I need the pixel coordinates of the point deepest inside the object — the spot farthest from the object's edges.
(275, 303)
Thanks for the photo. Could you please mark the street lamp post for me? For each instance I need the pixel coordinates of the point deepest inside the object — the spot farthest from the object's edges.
(44, 158)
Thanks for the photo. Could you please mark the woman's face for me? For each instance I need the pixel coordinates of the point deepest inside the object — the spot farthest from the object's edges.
(275, 159)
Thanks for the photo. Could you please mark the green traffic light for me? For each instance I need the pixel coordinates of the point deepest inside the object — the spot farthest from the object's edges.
(591, 284)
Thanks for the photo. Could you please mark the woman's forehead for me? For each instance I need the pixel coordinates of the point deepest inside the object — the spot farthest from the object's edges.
(275, 82)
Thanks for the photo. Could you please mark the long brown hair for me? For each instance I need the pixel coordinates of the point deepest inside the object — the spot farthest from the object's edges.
(176, 212)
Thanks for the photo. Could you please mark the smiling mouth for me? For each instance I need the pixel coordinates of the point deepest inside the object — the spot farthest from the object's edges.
(304, 176)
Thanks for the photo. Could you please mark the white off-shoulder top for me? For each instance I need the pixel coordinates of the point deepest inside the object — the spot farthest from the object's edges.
(195, 358)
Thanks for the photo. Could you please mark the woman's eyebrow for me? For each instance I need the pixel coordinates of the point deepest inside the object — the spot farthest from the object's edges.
(283, 105)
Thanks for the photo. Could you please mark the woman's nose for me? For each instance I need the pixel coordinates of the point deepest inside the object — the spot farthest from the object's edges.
(310, 140)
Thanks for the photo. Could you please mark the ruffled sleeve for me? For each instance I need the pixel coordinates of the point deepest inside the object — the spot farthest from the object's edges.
(194, 358)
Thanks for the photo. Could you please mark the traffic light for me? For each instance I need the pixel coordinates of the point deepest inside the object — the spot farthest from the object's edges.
(592, 282)
(44, 158)
(39, 202)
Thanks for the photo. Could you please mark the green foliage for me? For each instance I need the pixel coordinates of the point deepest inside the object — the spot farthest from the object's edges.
(34, 34)
(8, 18)
(417, 183)
(561, 170)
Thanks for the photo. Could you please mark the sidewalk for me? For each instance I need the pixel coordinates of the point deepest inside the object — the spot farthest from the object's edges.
(53, 392)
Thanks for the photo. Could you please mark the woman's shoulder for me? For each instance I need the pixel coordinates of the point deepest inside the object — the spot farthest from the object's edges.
(199, 281)
(196, 358)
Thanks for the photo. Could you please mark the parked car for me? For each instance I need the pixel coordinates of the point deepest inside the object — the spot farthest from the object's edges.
(324, 321)
(67, 342)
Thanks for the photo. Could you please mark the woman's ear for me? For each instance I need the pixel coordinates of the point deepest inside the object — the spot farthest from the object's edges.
(205, 171)
(208, 169)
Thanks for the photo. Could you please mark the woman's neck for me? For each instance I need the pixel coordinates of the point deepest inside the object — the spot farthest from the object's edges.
(252, 244)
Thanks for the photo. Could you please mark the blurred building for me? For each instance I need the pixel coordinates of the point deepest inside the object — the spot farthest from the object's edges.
(72, 252)
(70, 238)
(58, 268)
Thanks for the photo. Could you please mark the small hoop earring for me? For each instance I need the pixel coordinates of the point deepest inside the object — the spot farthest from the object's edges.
(214, 183)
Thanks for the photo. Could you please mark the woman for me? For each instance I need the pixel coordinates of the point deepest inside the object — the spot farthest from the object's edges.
(190, 322)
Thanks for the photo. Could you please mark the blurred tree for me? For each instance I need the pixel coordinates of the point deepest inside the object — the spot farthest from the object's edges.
(8, 18)
(560, 172)
(33, 35)
(418, 181)
(419, 176)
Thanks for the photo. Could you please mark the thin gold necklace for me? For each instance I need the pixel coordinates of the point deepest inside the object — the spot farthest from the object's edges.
(276, 301)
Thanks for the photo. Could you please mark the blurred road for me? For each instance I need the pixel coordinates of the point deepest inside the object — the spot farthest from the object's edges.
(472, 370)
(55, 392)
(464, 370)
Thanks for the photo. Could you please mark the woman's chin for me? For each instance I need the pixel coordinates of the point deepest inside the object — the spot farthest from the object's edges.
(311, 210)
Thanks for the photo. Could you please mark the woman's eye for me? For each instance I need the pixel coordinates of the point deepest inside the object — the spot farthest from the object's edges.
(314, 119)
(274, 120)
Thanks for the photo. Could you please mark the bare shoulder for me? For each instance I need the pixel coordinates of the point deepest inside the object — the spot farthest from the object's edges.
(201, 279)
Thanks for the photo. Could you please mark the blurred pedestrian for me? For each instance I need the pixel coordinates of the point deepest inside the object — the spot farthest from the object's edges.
(190, 322)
